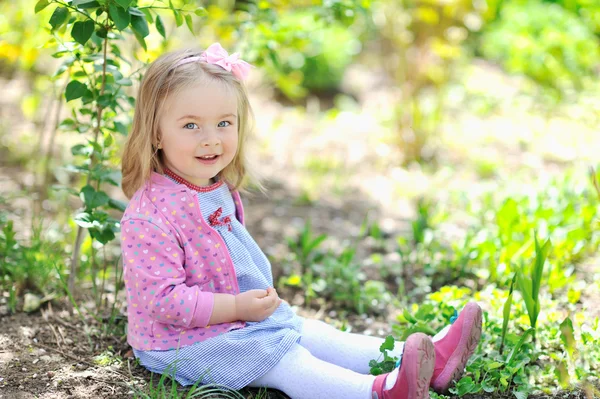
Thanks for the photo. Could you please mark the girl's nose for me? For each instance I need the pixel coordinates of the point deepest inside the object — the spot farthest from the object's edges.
(211, 143)
(210, 140)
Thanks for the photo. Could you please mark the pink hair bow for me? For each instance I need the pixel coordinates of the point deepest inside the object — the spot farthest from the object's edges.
(215, 54)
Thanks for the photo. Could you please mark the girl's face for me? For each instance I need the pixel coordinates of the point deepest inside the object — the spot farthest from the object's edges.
(199, 132)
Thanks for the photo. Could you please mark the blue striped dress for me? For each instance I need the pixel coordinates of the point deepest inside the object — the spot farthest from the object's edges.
(238, 357)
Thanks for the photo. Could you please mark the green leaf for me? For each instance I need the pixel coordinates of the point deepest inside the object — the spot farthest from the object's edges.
(190, 23)
(463, 386)
(105, 100)
(517, 347)
(140, 25)
(140, 40)
(506, 312)
(103, 236)
(525, 288)
(92, 198)
(116, 204)
(91, 4)
(85, 3)
(101, 32)
(520, 395)
(201, 12)
(567, 335)
(315, 243)
(108, 140)
(160, 27)
(82, 149)
(82, 31)
(541, 253)
(488, 386)
(136, 11)
(148, 15)
(121, 128)
(409, 317)
(59, 16)
(120, 17)
(178, 18)
(75, 89)
(123, 3)
(388, 344)
(40, 5)
(493, 365)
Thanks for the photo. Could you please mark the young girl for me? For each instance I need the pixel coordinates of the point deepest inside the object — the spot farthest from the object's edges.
(199, 289)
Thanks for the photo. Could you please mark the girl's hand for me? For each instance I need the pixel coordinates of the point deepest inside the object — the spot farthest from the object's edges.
(256, 305)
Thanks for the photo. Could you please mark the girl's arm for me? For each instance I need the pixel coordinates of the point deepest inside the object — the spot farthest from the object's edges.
(252, 305)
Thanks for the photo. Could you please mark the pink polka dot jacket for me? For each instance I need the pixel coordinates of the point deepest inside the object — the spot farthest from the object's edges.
(174, 262)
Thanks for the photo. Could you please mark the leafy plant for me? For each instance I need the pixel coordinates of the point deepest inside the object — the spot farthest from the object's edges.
(388, 363)
(530, 286)
(305, 247)
(87, 35)
(545, 42)
(27, 267)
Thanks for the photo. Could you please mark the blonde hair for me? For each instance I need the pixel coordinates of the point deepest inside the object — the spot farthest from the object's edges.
(141, 155)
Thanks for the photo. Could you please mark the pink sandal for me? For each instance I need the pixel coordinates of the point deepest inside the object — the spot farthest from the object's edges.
(414, 376)
(456, 346)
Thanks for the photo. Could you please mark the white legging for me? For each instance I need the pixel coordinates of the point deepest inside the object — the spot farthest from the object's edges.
(327, 363)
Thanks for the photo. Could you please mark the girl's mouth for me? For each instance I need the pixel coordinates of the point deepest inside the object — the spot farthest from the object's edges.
(208, 159)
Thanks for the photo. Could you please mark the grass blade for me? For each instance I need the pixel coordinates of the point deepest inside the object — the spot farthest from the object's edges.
(506, 312)
(516, 349)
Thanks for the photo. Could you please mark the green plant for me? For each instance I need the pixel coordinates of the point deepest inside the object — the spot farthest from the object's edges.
(506, 312)
(530, 285)
(545, 42)
(305, 247)
(388, 363)
(328, 276)
(422, 223)
(27, 267)
(341, 280)
(303, 48)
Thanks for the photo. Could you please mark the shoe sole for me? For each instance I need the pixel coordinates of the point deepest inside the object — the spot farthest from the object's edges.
(419, 357)
(466, 347)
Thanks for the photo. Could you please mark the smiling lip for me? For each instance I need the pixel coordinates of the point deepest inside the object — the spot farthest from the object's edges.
(208, 161)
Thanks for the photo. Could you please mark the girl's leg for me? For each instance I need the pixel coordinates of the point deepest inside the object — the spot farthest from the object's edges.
(351, 351)
(301, 375)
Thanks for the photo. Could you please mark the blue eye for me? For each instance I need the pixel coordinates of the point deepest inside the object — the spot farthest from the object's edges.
(221, 124)
(186, 126)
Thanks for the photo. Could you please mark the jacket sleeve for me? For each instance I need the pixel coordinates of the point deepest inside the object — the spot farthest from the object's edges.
(155, 277)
